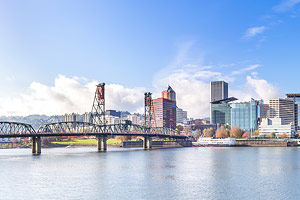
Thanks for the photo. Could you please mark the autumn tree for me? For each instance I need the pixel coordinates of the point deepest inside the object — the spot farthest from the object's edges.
(236, 132)
(245, 135)
(187, 130)
(179, 128)
(283, 135)
(256, 132)
(197, 133)
(221, 132)
(272, 135)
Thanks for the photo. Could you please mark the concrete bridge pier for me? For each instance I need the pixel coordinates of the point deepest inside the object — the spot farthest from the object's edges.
(36, 145)
(147, 143)
(101, 145)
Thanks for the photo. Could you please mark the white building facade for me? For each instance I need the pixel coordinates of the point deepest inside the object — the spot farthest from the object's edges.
(277, 126)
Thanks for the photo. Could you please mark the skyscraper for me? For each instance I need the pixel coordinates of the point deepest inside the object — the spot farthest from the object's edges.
(285, 109)
(296, 99)
(219, 90)
(169, 94)
(165, 109)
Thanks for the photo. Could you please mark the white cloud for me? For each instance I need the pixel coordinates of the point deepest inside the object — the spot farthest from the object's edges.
(70, 95)
(249, 68)
(286, 5)
(251, 32)
(262, 88)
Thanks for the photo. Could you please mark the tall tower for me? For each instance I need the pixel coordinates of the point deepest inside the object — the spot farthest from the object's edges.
(98, 109)
(219, 90)
(149, 111)
(169, 94)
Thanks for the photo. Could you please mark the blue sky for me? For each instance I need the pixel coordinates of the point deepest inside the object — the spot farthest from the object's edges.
(137, 44)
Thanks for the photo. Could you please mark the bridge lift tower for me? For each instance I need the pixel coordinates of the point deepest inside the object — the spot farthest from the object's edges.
(98, 115)
(98, 109)
(149, 119)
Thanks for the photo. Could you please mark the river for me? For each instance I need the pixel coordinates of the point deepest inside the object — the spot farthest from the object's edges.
(178, 173)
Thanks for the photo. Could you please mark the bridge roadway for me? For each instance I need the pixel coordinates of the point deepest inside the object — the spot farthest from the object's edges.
(21, 130)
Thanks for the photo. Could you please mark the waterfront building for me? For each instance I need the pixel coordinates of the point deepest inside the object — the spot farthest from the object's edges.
(296, 99)
(218, 91)
(165, 109)
(221, 111)
(264, 111)
(277, 126)
(86, 117)
(134, 119)
(285, 109)
(181, 116)
(111, 119)
(113, 113)
(72, 117)
(245, 115)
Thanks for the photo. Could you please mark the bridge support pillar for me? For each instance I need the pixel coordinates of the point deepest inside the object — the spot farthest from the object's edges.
(147, 143)
(101, 145)
(36, 145)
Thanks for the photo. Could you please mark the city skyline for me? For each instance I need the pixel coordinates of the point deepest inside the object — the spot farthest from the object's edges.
(51, 59)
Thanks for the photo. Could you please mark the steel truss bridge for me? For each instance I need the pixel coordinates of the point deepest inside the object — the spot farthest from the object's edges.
(14, 129)
(22, 130)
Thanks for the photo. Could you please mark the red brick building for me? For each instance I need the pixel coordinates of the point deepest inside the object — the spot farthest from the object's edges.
(165, 109)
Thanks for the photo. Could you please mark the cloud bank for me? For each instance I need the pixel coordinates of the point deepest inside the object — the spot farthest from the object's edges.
(70, 95)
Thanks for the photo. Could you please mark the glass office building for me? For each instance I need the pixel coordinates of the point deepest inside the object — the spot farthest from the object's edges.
(245, 115)
(296, 98)
(221, 111)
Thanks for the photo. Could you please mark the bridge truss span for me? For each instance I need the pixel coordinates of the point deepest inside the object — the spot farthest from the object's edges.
(65, 128)
(15, 129)
(84, 128)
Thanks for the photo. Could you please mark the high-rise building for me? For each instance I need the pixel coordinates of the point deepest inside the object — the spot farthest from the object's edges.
(284, 109)
(181, 116)
(245, 115)
(87, 117)
(73, 117)
(218, 90)
(296, 99)
(165, 109)
(264, 111)
(169, 94)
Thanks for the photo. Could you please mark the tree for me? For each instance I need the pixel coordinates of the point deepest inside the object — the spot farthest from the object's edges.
(283, 135)
(236, 132)
(187, 130)
(221, 132)
(197, 133)
(272, 135)
(208, 132)
(256, 132)
(179, 128)
(245, 135)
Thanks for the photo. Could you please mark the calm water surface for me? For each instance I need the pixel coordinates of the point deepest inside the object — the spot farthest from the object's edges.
(182, 173)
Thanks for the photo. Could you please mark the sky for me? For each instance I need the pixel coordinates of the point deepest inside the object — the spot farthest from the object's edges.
(54, 52)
